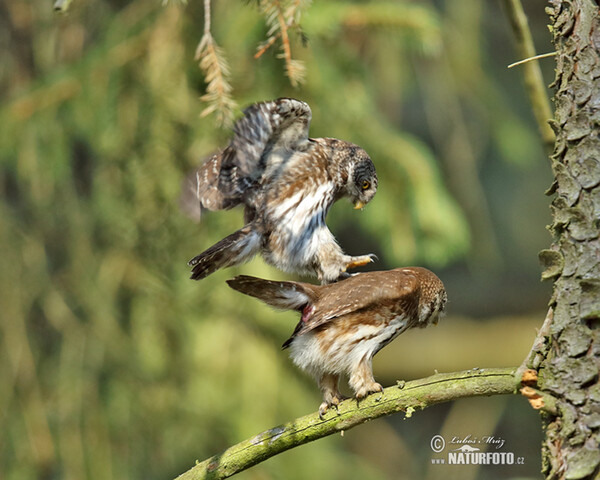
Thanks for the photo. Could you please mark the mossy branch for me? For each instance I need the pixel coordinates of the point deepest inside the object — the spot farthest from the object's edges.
(534, 82)
(405, 397)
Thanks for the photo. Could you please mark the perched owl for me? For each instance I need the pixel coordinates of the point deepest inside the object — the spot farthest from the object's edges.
(287, 182)
(344, 324)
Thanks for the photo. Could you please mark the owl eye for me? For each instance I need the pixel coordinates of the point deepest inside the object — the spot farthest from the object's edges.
(366, 184)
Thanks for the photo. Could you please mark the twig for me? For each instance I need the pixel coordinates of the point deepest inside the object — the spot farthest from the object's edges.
(536, 57)
(406, 397)
(266, 45)
(206, 17)
(280, 20)
(527, 373)
(534, 82)
(539, 347)
(294, 68)
(215, 69)
(285, 39)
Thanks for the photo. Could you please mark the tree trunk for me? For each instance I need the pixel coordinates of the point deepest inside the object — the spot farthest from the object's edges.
(569, 362)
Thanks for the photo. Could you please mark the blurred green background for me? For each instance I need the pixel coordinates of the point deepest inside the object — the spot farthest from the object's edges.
(114, 365)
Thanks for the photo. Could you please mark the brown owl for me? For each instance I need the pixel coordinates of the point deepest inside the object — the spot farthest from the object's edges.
(344, 324)
(287, 182)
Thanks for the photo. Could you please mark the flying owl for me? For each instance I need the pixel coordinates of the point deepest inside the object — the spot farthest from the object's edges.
(344, 324)
(287, 182)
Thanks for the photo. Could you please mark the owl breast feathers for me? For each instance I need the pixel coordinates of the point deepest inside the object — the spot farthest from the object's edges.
(344, 324)
(286, 182)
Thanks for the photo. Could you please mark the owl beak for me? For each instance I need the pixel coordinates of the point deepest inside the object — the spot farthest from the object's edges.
(358, 205)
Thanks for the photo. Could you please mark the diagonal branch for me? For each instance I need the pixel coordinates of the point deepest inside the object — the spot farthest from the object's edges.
(534, 82)
(405, 397)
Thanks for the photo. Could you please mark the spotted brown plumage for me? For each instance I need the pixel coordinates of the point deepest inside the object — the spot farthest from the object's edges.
(344, 324)
(286, 182)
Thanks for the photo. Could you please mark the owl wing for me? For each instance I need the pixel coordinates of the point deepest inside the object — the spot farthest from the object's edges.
(365, 291)
(200, 190)
(220, 183)
(265, 126)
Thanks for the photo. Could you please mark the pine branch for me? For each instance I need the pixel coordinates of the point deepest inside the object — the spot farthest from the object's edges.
(405, 397)
(534, 82)
(279, 20)
(216, 71)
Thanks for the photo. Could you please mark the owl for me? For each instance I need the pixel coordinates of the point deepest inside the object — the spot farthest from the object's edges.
(286, 182)
(344, 324)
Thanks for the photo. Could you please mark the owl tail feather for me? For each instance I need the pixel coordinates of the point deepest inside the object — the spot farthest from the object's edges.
(239, 247)
(284, 295)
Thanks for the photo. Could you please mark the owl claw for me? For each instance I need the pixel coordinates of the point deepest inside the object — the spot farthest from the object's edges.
(324, 407)
(365, 392)
(322, 410)
(361, 261)
(335, 401)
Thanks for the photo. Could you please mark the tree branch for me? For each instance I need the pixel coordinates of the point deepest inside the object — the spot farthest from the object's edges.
(534, 82)
(539, 348)
(405, 397)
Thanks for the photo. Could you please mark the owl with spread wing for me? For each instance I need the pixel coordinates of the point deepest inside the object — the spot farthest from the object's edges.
(344, 324)
(286, 182)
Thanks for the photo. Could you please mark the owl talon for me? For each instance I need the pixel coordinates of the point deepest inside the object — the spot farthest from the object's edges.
(378, 399)
(323, 410)
(333, 402)
(361, 261)
(368, 390)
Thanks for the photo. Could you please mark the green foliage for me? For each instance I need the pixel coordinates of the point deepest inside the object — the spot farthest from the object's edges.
(113, 363)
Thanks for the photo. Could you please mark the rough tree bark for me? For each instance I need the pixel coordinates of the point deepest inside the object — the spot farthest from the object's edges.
(568, 360)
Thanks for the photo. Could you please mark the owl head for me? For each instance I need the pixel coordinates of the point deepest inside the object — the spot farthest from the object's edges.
(433, 298)
(361, 185)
